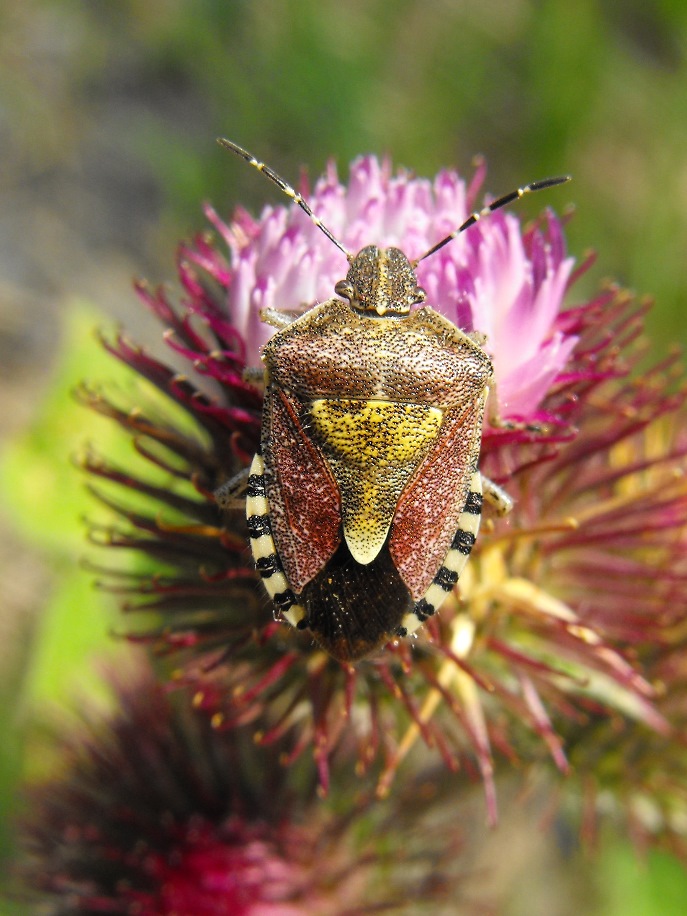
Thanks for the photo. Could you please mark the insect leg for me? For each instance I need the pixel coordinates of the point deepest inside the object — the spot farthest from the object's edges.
(496, 421)
(231, 494)
(496, 496)
(254, 375)
(477, 337)
(282, 318)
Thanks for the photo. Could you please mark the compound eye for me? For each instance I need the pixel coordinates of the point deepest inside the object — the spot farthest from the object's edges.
(344, 289)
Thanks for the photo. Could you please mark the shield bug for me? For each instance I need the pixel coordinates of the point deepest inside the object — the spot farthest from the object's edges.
(364, 500)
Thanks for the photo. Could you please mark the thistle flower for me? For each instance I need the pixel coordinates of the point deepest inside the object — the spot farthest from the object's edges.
(631, 780)
(634, 778)
(156, 813)
(559, 603)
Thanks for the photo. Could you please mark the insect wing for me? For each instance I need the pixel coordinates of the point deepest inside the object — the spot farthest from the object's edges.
(428, 512)
(305, 509)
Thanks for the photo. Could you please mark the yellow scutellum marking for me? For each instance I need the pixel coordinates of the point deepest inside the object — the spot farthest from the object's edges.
(384, 431)
(386, 436)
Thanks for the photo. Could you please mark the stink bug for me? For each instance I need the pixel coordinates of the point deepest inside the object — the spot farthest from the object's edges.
(364, 500)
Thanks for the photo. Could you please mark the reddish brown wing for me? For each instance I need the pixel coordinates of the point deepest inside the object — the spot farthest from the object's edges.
(305, 509)
(427, 515)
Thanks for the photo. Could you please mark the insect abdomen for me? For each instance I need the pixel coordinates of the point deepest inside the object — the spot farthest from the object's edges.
(353, 609)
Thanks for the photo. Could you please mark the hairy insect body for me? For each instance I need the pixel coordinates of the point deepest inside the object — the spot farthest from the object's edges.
(370, 441)
(364, 501)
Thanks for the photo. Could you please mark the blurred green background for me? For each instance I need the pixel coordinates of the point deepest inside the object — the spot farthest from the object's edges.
(108, 116)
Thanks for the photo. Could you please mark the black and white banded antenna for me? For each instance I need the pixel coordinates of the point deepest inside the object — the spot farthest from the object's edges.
(470, 221)
(286, 188)
(495, 205)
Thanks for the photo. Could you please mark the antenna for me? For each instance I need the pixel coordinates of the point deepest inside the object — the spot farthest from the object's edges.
(285, 187)
(471, 220)
(496, 205)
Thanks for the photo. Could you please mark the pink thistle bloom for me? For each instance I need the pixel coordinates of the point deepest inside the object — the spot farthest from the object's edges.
(484, 280)
(559, 603)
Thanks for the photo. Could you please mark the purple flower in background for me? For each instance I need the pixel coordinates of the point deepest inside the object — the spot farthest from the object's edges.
(560, 603)
(153, 812)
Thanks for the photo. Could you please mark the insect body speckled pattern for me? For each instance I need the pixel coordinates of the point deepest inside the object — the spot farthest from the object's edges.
(364, 500)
